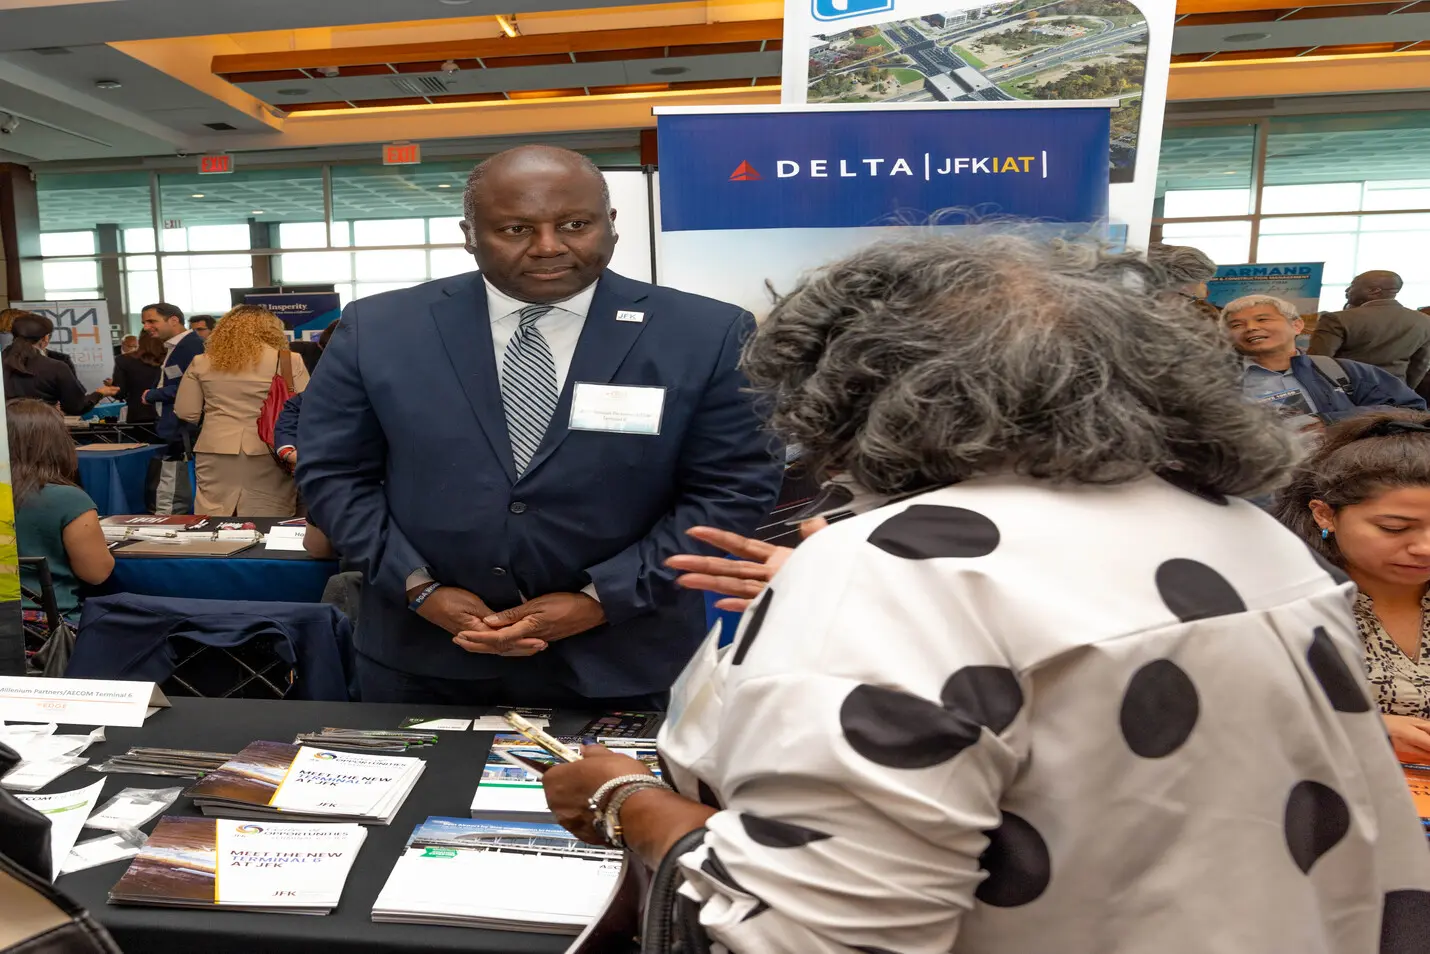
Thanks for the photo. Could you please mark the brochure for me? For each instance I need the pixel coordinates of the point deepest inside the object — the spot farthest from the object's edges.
(532, 877)
(224, 862)
(271, 778)
(67, 812)
(508, 787)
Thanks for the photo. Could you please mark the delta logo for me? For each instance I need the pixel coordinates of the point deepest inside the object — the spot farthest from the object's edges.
(249, 829)
(926, 167)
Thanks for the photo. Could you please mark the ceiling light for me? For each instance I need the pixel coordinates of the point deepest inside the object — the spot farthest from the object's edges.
(331, 72)
(293, 91)
(107, 84)
(444, 185)
(197, 195)
(507, 22)
(256, 212)
(1245, 37)
(450, 66)
(670, 70)
(454, 3)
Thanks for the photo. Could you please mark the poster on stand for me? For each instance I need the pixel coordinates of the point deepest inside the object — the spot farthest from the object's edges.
(893, 52)
(1296, 282)
(752, 198)
(82, 333)
(304, 314)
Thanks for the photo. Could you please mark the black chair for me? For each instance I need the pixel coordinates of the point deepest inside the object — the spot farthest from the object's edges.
(38, 633)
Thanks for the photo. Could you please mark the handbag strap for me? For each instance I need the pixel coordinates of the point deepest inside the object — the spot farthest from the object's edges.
(285, 367)
(671, 922)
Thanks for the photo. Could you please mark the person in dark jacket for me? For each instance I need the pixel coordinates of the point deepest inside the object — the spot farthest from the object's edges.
(166, 323)
(1376, 329)
(30, 374)
(136, 372)
(1308, 391)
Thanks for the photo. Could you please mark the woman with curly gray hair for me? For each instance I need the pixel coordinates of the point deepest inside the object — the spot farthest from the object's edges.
(1055, 688)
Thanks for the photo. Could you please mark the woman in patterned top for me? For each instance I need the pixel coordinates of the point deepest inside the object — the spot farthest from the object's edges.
(1362, 501)
(1059, 692)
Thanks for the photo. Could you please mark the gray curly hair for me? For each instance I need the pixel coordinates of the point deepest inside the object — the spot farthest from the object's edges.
(914, 364)
(1179, 265)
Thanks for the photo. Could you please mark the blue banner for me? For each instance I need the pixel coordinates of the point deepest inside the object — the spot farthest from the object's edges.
(1296, 282)
(300, 312)
(836, 169)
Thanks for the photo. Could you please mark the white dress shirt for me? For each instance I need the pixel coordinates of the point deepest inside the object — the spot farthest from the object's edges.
(561, 327)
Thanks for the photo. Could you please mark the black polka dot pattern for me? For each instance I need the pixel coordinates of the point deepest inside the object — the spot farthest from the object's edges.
(1182, 481)
(1316, 820)
(925, 532)
(715, 868)
(1018, 865)
(778, 834)
(1334, 572)
(752, 629)
(1193, 590)
(707, 796)
(899, 730)
(1334, 675)
(1405, 923)
(1159, 709)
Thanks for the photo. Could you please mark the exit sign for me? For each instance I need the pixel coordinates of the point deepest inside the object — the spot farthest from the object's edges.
(401, 154)
(214, 165)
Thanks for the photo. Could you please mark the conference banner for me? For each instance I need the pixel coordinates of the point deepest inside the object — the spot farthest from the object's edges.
(81, 332)
(1297, 282)
(304, 314)
(886, 53)
(750, 199)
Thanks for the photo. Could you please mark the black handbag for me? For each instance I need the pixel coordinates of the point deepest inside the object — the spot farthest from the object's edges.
(672, 921)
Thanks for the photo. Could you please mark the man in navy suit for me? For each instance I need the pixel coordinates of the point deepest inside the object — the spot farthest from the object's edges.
(166, 322)
(512, 455)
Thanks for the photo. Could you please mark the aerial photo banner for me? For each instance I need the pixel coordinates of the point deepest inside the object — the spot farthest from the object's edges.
(752, 198)
(947, 51)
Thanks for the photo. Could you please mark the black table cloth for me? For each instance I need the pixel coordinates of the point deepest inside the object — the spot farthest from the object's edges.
(454, 767)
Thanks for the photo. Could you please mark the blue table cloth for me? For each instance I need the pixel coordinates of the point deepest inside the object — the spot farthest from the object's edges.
(222, 578)
(115, 478)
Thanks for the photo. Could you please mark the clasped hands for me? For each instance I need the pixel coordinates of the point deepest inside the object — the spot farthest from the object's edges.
(523, 630)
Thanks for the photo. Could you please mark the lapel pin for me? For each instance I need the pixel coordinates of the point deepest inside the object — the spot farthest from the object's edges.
(635, 316)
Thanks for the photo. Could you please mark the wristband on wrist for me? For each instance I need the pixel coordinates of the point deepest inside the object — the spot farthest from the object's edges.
(421, 598)
(609, 821)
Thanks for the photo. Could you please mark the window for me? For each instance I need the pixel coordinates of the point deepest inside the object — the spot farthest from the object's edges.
(75, 279)
(366, 272)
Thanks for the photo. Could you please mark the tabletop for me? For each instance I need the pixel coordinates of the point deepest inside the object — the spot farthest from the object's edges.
(454, 767)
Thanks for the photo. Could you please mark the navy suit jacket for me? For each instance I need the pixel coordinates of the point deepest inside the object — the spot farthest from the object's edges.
(285, 429)
(171, 372)
(406, 463)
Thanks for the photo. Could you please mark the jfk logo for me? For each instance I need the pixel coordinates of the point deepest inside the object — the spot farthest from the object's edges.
(844, 9)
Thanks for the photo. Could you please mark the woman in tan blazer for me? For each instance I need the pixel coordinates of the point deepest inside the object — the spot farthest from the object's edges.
(226, 387)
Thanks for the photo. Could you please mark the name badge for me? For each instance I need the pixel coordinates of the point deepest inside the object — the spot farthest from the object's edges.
(616, 409)
(172, 371)
(635, 316)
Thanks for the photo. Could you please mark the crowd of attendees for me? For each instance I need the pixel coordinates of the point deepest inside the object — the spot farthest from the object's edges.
(1048, 657)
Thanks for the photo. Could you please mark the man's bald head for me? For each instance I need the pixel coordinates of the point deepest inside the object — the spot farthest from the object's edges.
(1378, 285)
(529, 159)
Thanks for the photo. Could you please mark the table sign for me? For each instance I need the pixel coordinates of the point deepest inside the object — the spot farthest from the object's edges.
(79, 701)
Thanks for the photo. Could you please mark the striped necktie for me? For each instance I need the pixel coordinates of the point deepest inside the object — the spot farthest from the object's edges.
(528, 386)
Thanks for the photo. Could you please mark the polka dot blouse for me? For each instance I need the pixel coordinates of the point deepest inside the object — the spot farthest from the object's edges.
(1008, 718)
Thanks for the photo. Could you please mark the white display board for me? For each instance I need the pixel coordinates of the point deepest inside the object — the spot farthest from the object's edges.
(630, 197)
(82, 332)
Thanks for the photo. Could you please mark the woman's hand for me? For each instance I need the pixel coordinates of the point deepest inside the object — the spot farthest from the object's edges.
(570, 785)
(743, 580)
(1410, 736)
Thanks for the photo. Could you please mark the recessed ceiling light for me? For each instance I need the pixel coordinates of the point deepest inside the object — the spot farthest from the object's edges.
(197, 195)
(293, 91)
(444, 185)
(1245, 37)
(107, 84)
(670, 70)
(256, 212)
(454, 3)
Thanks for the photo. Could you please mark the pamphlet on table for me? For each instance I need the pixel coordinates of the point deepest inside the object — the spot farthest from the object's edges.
(229, 863)
(79, 701)
(509, 787)
(267, 779)
(1418, 776)
(510, 875)
(67, 812)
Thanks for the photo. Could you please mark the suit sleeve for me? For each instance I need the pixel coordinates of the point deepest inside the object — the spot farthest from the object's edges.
(1419, 365)
(1375, 387)
(73, 399)
(729, 478)
(343, 465)
(1330, 336)
(167, 392)
(189, 401)
(285, 430)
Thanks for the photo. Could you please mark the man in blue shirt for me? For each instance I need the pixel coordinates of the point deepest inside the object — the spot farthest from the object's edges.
(1307, 391)
(166, 322)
